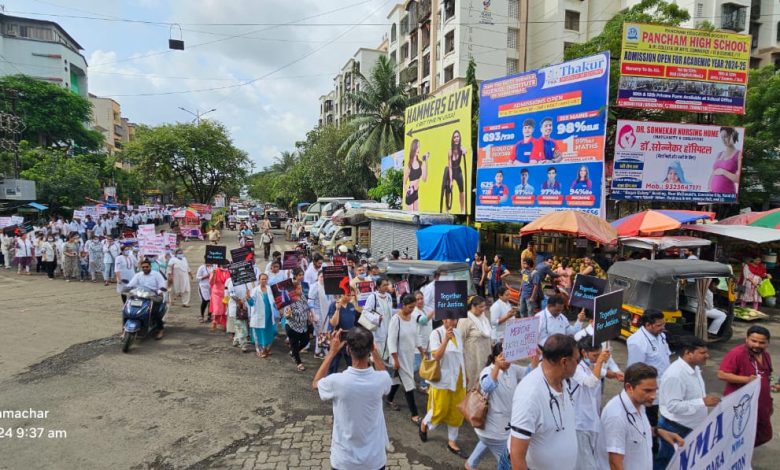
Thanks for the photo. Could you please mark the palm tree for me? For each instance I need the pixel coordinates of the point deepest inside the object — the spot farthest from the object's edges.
(284, 162)
(378, 127)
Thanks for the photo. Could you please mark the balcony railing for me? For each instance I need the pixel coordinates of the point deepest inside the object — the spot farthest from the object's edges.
(409, 74)
(424, 10)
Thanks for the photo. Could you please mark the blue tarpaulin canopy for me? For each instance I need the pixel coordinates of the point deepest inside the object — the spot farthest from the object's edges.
(447, 242)
(40, 207)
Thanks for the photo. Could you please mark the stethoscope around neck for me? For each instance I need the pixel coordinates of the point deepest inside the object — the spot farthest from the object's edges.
(631, 419)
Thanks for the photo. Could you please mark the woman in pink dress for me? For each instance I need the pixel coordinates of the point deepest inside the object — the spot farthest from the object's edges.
(217, 307)
(725, 171)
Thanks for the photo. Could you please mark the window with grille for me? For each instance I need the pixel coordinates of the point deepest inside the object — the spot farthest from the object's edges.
(404, 50)
(34, 32)
(449, 73)
(571, 20)
(449, 42)
(511, 38)
(514, 8)
(699, 10)
(512, 66)
(733, 17)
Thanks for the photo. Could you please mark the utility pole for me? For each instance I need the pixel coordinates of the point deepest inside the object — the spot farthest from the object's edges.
(197, 113)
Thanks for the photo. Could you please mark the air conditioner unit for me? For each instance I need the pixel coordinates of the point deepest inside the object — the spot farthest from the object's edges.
(12, 30)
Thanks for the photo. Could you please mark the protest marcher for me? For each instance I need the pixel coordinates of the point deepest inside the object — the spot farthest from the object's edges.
(94, 249)
(444, 395)
(500, 312)
(7, 246)
(266, 239)
(37, 249)
(498, 381)
(238, 313)
(111, 251)
(341, 316)
(682, 396)
(319, 303)
(626, 431)
(204, 289)
(553, 321)
(48, 258)
(475, 330)
(359, 430)
(263, 317)
(219, 300)
(379, 310)
(542, 426)
(402, 342)
(313, 270)
(747, 362)
(70, 265)
(648, 345)
(23, 254)
(298, 315)
(424, 328)
(124, 270)
(179, 273)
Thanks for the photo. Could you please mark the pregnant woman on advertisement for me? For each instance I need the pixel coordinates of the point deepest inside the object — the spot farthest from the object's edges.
(725, 171)
(415, 172)
(453, 173)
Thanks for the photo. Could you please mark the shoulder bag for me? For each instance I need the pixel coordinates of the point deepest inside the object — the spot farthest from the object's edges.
(474, 407)
(370, 319)
(430, 368)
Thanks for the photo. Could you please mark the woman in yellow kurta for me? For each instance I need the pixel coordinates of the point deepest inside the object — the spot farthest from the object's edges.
(446, 345)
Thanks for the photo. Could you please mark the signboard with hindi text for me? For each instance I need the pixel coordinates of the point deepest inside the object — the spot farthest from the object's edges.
(683, 69)
(606, 316)
(521, 338)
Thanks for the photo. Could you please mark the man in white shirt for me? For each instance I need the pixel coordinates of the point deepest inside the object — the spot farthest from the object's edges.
(627, 434)
(542, 426)
(717, 316)
(683, 399)
(553, 321)
(359, 429)
(312, 273)
(648, 345)
(500, 312)
(153, 281)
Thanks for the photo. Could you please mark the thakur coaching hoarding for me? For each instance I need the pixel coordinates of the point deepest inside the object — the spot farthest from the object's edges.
(661, 161)
(541, 141)
(665, 67)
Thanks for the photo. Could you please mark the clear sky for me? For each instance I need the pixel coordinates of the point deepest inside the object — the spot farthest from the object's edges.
(293, 64)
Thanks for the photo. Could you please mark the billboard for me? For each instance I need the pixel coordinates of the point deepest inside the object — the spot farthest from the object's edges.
(541, 141)
(437, 154)
(661, 161)
(665, 67)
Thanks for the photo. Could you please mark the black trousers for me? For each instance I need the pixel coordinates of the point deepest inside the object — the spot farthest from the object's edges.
(203, 305)
(49, 267)
(409, 398)
(298, 341)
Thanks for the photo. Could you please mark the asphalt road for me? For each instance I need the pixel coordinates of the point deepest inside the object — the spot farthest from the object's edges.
(190, 400)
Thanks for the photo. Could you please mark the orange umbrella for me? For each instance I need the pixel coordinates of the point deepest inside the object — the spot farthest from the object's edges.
(576, 223)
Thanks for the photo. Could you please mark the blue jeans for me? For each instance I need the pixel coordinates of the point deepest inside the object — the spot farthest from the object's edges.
(665, 450)
(504, 463)
(417, 362)
(496, 446)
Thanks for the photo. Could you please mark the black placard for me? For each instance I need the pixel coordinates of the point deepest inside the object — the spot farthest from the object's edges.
(244, 253)
(336, 280)
(242, 272)
(606, 324)
(291, 260)
(284, 293)
(216, 254)
(450, 296)
(585, 290)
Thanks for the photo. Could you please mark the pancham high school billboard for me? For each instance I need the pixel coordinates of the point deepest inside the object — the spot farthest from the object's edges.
(541, 141)
(661, 161)
(665, 67)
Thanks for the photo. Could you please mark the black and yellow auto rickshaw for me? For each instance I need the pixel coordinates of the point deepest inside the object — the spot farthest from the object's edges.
(667, 285)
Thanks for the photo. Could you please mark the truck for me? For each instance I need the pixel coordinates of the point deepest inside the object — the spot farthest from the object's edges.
(350, 226)
(326, 206)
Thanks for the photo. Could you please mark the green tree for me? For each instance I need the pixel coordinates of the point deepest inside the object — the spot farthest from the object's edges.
(378, 127)
(200, 158)
(52, 115)
(389, 189)
(62, 181)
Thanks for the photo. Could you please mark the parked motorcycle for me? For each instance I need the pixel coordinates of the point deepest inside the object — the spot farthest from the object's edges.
(137, 318)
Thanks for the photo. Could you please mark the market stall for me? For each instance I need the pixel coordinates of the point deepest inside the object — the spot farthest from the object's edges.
(660, 244)
(653, 222)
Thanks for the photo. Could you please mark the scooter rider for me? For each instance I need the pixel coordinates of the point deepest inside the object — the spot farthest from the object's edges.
(153, 281)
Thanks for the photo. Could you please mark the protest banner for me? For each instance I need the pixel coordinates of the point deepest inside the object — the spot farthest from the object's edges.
(144, 231)
(438, 131)
(336, 280)
(725, 440)
(91, 211)
(6, 222)
(542, 139)
(662, 161)
(142, 209)
(683, 69)
(151, 245)
(401, 289)
(284, 293)
(364, 289)
(244, 253)
(101, 210)
(79, 214)
(450, 296)
(171, 239)
(606, 316)
(216, 254)
(520, 338)
(585, 290)
(191, 231)
(242, 272)
(290, 260)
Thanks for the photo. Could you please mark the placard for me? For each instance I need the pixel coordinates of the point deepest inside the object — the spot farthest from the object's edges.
(6, 222)
(284, 293)
(191, 231)
(336, 280)
(606, 315)
(291, 260)
(520, 338)
(725, 439)
(401, 289)
(144, 231)
(585, 290)
(450, 296)
(171, 239)
(244, 253)
(242, 272)
(90, 211)
(81, 215)
(364, 291)
(216, 254)
(151, 245)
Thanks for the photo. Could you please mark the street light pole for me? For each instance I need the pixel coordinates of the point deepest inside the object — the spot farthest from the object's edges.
(198, 114)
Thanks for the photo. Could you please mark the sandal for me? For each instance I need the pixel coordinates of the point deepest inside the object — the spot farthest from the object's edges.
(455, 451)
(423, 434)
(301, 368)
(392, 405)
(416, 420)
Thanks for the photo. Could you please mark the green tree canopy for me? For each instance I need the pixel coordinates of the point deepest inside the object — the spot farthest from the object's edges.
(202, 157)
(62, 181)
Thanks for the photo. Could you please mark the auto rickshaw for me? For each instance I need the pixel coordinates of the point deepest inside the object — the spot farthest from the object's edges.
(667, 285)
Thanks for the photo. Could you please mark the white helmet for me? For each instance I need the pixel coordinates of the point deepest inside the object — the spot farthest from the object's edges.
(343, 249)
